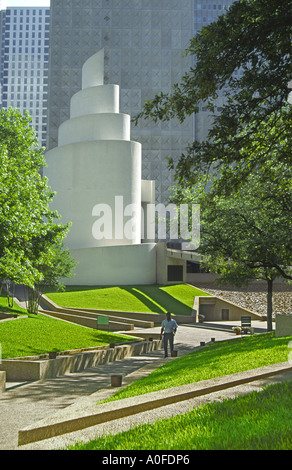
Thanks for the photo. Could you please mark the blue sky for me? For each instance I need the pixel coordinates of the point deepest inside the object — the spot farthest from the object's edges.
(24, 3)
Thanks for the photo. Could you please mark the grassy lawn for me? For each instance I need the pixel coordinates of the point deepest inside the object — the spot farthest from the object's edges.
(177, 299)
(214, 360)
(39, 334)
(258, 421)
(15, 309)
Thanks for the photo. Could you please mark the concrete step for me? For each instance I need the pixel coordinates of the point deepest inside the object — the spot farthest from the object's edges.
(94, 313)
(213, 326)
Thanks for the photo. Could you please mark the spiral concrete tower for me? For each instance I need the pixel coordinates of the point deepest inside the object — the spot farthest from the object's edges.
(96, 174)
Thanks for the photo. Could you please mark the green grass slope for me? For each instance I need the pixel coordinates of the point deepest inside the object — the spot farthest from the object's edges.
(39, 334)
(177, 299)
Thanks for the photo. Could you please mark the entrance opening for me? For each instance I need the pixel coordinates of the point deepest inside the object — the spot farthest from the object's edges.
(175, 273)
(225, 313)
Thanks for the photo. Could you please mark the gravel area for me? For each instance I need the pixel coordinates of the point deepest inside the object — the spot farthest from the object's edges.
(254, 297)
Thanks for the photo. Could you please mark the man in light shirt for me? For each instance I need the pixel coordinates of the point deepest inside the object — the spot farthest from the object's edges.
(168, 327)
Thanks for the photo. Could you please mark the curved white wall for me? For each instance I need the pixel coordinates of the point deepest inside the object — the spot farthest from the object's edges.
(90, 173)
(96, 173)
(99, 99)
(103, 126)
(93, 70)
(115, 266)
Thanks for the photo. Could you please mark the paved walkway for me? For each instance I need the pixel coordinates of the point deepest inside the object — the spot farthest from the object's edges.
(23, 405)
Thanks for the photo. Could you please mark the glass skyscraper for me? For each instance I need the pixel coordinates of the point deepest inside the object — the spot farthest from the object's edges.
(24, 63)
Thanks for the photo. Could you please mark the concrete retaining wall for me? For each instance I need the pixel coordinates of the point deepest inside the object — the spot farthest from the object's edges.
(140, 319)
(22, 370)
(147, 318)
(94, 313)
(212, 308)
(96, 414)
(283, 325)
(2, 381)
(124, 317)
(90, 322)
(7, 316)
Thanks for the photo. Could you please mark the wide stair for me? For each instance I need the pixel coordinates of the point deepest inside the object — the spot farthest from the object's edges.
(95, 318)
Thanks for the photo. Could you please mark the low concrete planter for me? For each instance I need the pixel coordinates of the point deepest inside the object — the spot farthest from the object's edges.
(283, 325)
(25, 369)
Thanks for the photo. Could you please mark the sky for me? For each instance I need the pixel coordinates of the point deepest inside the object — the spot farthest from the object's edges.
(24, 3)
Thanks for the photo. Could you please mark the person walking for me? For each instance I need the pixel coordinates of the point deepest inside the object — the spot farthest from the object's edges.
(168, 327)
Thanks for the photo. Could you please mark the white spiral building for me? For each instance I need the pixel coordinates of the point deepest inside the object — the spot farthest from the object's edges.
(96, 174)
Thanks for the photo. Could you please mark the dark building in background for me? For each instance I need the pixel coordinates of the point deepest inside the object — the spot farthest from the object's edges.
(144, 41)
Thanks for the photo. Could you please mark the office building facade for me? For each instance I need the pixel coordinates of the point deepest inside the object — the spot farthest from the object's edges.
(144, 41)
(24, 63)
(206, 12)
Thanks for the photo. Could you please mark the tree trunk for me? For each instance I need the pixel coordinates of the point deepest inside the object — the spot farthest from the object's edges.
(270, 305)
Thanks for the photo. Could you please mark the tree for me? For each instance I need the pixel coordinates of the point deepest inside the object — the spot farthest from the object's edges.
(247, 235)
(246, 56)
(53, 261)
(30, 237)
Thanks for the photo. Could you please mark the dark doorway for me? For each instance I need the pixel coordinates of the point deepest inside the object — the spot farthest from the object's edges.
(225, 314)
(175, 273)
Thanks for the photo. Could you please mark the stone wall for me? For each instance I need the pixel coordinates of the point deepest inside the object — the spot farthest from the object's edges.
(283, 325)
(24, 369)
(213, 309)
(2, 381)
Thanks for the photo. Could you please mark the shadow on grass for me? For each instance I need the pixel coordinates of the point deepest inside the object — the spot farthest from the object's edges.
(144, 298)
(152, 296)
(158, 300)
(15, 309)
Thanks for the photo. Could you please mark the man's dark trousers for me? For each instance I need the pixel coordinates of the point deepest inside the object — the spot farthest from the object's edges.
(168, 338)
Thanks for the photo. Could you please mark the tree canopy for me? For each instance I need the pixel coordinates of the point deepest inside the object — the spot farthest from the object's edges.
(245, 56)
(247, 235)
(31, 250)
(240, 173)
